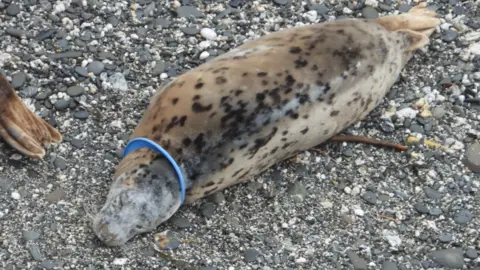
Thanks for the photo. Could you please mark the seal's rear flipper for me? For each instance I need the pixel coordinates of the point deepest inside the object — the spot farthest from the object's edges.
(419, 19)
(20, 127)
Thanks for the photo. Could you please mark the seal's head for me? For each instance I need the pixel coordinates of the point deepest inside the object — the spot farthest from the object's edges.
(145, 193)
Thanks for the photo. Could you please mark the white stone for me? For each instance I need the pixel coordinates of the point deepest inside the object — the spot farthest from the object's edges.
(406, 113)
(347, 190)
(118, 82)
(208, 33)
(371, 3)
(326, 204)
(204, 55)
(163, 76)
(392, 238)
(311, 15)
(15, 195)
(120, 261)
(359, 212)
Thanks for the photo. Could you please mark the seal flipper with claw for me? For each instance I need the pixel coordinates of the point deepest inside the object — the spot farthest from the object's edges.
(20, 127)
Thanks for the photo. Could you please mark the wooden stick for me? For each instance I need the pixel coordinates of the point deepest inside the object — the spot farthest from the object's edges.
(366, 140)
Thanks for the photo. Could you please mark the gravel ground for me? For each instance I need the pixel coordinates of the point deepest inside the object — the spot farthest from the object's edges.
(90, 67)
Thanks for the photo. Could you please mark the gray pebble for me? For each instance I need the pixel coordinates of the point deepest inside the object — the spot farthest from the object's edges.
(357, 262)
(472, 157)
(13, 10)
(190, 30)
(471, 253)
(69, 54)
(208, 209)
(438, 112)
(421, 208)
(217, 197)
(432, 193)
(207, 268)
(18, 79)
(188, 11)
(445, 237)
(449, 36)
(251, 255)
(403, 8)
(61, 104)
(30, 91)
(298, 191)
(463, 217)
(77, 143)
(81, 71)
(369, 13)
(15, 32)
(45, 34)
(75, 91)
(56, 195)
(60, 163)
(370, 197)
(282, 2)
(414, 127)
(48, 265)
(388, 265)
(35, 252)
(435, 211)
(182, 222)
(96, 67)
(164, 23)
(31, 235)
(81, 114)
(452, 257)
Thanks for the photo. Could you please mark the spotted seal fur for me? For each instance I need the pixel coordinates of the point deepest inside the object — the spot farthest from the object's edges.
(20, 127)
(238, 114)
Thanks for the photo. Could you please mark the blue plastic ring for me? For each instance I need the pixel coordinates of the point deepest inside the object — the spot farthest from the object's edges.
(138, 143)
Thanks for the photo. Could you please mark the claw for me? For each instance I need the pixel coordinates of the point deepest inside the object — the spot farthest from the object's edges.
(21, 128)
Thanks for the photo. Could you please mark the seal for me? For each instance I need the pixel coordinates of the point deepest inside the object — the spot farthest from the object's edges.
(20, 127)
(254, 106)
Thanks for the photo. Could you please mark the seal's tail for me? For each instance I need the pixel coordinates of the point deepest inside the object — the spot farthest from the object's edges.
(419, 23)
(20, 127)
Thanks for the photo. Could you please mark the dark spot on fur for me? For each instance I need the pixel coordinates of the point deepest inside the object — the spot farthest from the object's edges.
(213, 114)
(285, 132)
(334, 113)
(196, 97)
(220, 80)
(237, 172)
(262, 74)
(245, 74)
(260, 97)
(264, 82)
(283, 139)
(301, 63)
(199, 108)
(186, 141)
(370, 68)
(290, 80)
(199, 85)
(325, 132)
(174, 101)
(260, 142)
(208, 192)
(224, 165)
(304, 131)
(330, 99)
(305, 116)
(243, 146)
(238, 92)
(199, 142)
(295, 50)
(314, 67)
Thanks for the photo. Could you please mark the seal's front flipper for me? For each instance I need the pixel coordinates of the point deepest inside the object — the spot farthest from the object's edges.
(366, 140)
(20, 127)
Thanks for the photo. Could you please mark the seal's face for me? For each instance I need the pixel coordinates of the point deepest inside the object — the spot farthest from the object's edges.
(138, 202)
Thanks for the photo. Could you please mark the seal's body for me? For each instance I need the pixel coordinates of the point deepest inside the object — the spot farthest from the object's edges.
(20, 127)
(238, 114)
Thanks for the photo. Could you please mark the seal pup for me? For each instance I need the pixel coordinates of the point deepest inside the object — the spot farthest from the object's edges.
(20, 127)
(238, 114)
